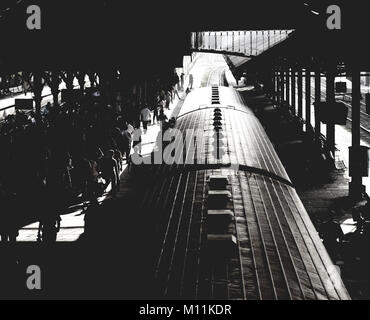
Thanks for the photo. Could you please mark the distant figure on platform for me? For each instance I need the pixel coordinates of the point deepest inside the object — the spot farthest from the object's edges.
(182, 81)
(332, 236)
(175, 92)
(146, 118)
(118, 157)
(156, 111)
(49, 227)
(8, 229)
(110, 170)
(163, 119)
(168, 99)
(127, 141)
(191, 81)
(136, 137)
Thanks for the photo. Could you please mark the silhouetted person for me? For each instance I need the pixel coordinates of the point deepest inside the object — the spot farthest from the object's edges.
(127, 142)
(110, 171)
(8, 226)
(92, 218)
(182, 81)
(168, 99)
(156, 111)
(332, 235)
(162, 118)
(191, 81)
(118, 157)
(145, 117)
(49, 227)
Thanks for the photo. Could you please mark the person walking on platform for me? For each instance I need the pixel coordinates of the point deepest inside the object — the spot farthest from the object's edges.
(146, 118)
(110, 171)
(191, 81)
(8, 228)
(175, 92)
(332, 236)
(49, 227)
(182, 81)
(156, 111)
(127, 142)
(168, 99)
(163, 119)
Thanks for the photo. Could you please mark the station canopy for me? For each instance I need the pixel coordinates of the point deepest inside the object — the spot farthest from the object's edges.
(138, 34)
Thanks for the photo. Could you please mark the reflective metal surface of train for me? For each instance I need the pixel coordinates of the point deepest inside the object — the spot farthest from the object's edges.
(231, 225)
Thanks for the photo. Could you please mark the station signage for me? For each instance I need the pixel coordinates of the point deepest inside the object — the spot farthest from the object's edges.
(23, 104)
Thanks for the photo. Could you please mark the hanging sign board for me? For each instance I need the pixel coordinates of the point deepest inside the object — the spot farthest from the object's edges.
(341, 87)
(24, 104)
(71, 95)
(332, 112)
(367, 99)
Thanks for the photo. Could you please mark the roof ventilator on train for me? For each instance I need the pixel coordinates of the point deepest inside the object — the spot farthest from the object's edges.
(217, 118)
(217, 126)
(219, 216)
(215, 95)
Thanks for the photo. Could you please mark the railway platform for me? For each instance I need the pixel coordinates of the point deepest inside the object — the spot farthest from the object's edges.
(324, 193)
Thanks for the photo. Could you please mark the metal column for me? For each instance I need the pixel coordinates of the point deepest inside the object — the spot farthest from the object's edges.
(293, 93)
(317, 100)
(355, 186)
(287, 87)
(37, 94)
(330, 97)
(308, 99)
(281, 82)
(300, 93)
(278, 84)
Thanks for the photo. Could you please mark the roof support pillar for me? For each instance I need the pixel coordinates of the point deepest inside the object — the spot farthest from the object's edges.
(282, 84)
(317, 100)
(37, 94)
(300, 93)
(293, 93)
(308, 99)
(54, 86)
(287, 87)
(355, 187)
(330, 97)
(81, 80)
(275, 83)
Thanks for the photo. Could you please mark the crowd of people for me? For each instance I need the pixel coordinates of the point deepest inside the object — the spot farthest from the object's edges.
(75, 151)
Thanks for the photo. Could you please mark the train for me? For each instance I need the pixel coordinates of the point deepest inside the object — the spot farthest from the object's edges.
(229, 224)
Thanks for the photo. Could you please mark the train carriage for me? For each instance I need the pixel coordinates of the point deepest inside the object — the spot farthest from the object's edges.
(229, 222)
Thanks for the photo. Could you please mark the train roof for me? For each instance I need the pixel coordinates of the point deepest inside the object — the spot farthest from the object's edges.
(263, 244)
(244, 143)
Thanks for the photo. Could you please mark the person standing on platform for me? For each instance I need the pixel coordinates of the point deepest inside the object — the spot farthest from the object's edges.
(156, 111)
(110, 171)
(136, 144)
(175, 92)
(168, 99)
(127, 141)
(163, 119)
(191, 81)
(182, 81)
(145, 117)
(49, 227)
